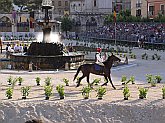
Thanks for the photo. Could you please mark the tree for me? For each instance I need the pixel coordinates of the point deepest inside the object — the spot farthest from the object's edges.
(28, 4)
(6, 5)
(66, 24)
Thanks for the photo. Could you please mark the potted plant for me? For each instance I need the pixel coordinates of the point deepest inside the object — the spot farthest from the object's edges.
(9, 93)
(163, 92)
(9, 80)
(85, 92)
(149, 78)
(66, 81)
(20, 80)
(132, 79)
(126, 93)
(153, 82)
(47, 81)
(38, 80)
(143, 93)
(60, 90)
(48, 91)
(25, 91)
(158, 78)
(100, 92)
(123, 79)
(96, 81)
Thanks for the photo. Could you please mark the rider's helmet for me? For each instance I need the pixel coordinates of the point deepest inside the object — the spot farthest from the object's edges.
(98, 49)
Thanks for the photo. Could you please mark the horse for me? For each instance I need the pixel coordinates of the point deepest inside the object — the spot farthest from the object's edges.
(103, 70)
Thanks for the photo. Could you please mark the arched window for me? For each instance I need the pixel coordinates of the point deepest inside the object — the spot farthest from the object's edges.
(5, 24)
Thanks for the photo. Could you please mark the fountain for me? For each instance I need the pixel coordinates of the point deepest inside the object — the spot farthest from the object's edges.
(45, 54)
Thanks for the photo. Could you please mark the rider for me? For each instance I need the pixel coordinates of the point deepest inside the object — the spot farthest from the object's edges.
(98, 57)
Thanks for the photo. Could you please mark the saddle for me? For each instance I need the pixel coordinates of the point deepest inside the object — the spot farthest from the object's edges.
(98, 66)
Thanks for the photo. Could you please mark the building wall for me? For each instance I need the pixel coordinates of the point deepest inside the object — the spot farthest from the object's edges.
(157, 7)
(144, 7)
(60, 7)
(139, 5)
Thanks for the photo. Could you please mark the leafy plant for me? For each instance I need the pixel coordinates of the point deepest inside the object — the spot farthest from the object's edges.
(153, 82)
(48, 91)
(38, 79)
(47, 81)
(143, 92)
(9, 80)
(158, 78)
(66, 81)
(25, 91)
(163, 92)
(123, 79)
(60, 90)
(20, 80)
(149, 78)
(96, 81)
(126, 93)
(100, 92)
(9, 93)
(85, 92)
(132, 79)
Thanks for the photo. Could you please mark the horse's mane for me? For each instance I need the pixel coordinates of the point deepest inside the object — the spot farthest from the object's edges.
(106, 61)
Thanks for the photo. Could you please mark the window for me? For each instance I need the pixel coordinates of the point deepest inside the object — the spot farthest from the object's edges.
(151, 10)
(66, 3)
(95, 3)
(138, 13)
(59, 3)
(162, 9)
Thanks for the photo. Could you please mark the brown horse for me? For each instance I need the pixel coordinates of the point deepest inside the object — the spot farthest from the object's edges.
(103, 70)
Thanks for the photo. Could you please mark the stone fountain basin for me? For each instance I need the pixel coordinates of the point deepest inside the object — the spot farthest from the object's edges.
(22, 61)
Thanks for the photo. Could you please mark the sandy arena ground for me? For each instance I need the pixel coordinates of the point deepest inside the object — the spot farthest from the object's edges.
(74, 109)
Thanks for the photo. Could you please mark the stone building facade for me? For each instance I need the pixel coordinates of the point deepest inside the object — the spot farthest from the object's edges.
(147, 8)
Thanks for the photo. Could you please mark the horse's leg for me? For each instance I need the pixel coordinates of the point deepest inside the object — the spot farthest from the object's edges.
(111, 81)
(88, 79)
(105, 84)
(89, 82)
(79, 80)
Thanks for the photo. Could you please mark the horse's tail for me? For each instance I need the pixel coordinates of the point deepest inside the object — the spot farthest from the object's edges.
(78, 70)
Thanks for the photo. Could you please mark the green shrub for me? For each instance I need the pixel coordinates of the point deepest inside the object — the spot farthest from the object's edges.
(123, 79)
(100, 92)
(126, 92)
(25, 91)
(163, 92)
(47, 81)
(149, 78)
(9, 93)
(66, 81)
(158, 78)
(132, 79)
(38, 80)
(85, 92)
(143, 93)
(9, 80)
(60, 90)
(20, 80)
(48, 91)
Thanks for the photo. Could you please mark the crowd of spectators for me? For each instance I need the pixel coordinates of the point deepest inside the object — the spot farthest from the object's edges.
(148, 32)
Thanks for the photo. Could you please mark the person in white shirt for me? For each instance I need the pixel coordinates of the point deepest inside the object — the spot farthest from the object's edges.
(98, 57)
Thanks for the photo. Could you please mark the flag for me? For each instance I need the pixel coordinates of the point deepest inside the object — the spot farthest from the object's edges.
(114, 14)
